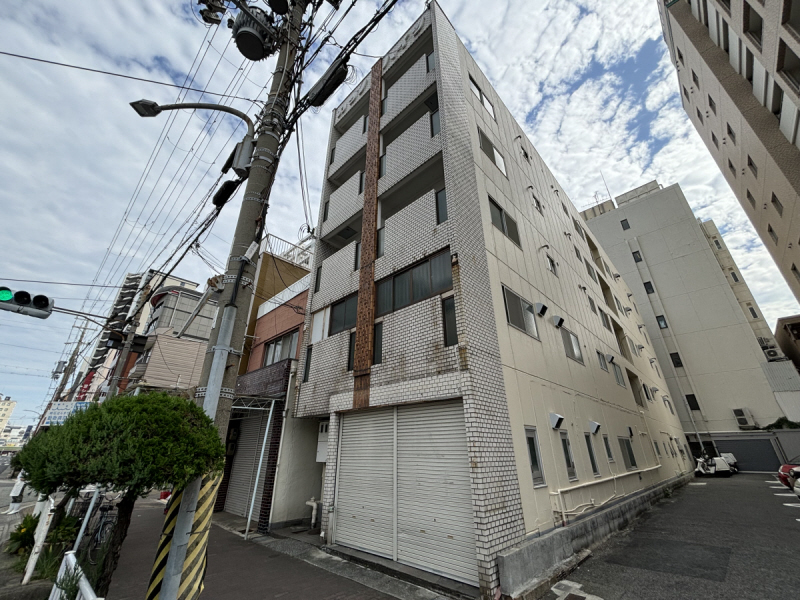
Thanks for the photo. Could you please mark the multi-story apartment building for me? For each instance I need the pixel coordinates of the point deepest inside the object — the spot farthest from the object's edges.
(739, 75)
(483, 371)
(787, 335)
(7, 406)
(724, 370)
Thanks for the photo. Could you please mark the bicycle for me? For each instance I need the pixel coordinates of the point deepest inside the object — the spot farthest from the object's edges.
(102, 533)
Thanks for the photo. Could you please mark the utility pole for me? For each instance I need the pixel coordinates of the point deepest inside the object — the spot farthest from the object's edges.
(179, 576)
(125, 351)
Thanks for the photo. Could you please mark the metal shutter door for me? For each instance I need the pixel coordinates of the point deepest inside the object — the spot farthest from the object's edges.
(435, 529)
(245, 463)
(365, 486)
(752, 455)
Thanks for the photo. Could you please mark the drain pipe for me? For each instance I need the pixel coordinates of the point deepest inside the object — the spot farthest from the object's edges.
(313, 504)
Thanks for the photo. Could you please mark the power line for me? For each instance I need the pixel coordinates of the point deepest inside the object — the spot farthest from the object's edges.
(175, 85)
(61, 283)
(29, 348)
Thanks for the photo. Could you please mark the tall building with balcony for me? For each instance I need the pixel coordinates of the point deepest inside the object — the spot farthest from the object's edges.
(738, 65)
(485, 376)
(7, 406)
(725, 373)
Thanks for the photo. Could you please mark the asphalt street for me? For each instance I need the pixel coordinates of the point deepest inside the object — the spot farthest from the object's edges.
(735, 537)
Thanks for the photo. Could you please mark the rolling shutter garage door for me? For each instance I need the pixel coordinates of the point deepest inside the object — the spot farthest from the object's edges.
(751, 455)
(245, 463)
(414, 456)
(365, 483)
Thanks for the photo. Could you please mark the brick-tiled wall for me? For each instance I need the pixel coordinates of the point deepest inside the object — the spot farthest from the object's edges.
(412, 148)
(351, 142)
(407, 89)
(338, 279)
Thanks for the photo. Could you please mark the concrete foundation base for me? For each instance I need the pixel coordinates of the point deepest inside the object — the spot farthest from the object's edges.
(528, 570)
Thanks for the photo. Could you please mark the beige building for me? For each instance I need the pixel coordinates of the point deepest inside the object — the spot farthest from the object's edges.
(7, 406)
(723, 367)
(787, 335)
(738, 64)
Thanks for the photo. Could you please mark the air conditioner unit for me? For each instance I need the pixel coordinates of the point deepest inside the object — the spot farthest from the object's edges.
(771, 353)
(744, 418)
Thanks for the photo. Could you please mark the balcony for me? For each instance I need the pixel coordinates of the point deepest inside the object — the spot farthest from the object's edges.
(343, 204)
(351, 143)
(409, 151)
(338, 277)
(410, 86)
(266, 382)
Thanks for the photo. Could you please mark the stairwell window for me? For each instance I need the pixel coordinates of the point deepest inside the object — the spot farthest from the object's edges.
(441, 206)
(325, 211)
(627, 453)
(436, 126)
(662, 322)
(772, 233)
(351, 351)
(685, 92)
(449, 321)
(382, 166)
(489, 150)
(357, 264)
(731, 168)
(430, 62)
(503, 222)
(333, 154)
(568, 460)
(317, 279)
(572, 345)
(377, 344)
(753, 312)
(379, 242)
(777, 205)
(676, 359)
(519, 313)
(533, 454)
(637, 256)
(307, 366)
(695, 79)
(648, 287)
(365, 124)
(734, 277)
(625, 224)
(361, 176)
(691, 400)
(592, 459)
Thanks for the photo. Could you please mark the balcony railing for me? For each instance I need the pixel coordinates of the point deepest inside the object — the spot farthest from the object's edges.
(302, 256)
(266, 382)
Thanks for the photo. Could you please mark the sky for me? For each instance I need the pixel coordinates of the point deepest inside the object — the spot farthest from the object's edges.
(91, 191)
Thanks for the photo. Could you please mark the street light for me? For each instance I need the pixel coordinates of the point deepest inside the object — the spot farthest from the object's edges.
(243, 152)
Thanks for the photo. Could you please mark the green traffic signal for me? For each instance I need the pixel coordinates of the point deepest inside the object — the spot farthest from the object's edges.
(5, 294)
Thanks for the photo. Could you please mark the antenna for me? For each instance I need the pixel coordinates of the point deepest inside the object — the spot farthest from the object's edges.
(604, 183)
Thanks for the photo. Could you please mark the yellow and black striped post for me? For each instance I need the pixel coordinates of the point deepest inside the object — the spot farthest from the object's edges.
(160, 564)
(194, 565)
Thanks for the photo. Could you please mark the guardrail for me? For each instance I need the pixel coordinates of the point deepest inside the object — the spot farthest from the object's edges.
(71, 570)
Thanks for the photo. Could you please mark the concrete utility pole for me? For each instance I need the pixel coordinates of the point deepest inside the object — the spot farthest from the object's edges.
(125, 352)
(180, 576)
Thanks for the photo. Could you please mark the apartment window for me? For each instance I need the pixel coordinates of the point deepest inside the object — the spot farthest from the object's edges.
(590, 269)
(658, 449)
(436, 125)
(731, 135)
(317, 279)
(753, 312)
(634, 349)
(680, 56)
(449, 321)
(428, 278)
(489, 150)
(607, 444)
(441, 206)
(647, 392)
(281, 348)
(676, 359)
(551, 265)
(430, 62)
(662, 322)
(637, 256)
(379, 242)
(351, 351)
(537, 204)
(343, 314)
(714, 140)
(772, 233)
(592, 459)
(668, 404)
(619, 306)
(627, 453)
(481, 96)
(605, 264)
(325, 211)
(625, 224)
(519, 313)
(567, 449)
(382, 166)
(753, 24)
(777, 205)
(383, 105)
(648, 287)
(712, 105)
(357, 261)
(307, 366)
(795, 272)
(578, 228)
(592, 307)
(734, 277)
(601, 358)
(699, 115)
(695, 79)
(525, 155)
(604, 319)
(533, 454)
(685, 92)
(571, 345)
(503, 222)
(691, 400)
(752, 166)
(361, 176)
(365, 124)
(377, 344)
(564, 208)
(731, 168)
(753, 200)
(333, 154)
(578, 253)
(790, 66)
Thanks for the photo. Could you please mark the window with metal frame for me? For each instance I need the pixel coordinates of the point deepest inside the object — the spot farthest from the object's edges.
(493, 153)
(604, 319)
(537, 472)
(637, 256)
(351, 351)
(377, 344)
(436, 125)
(658, 450)
(430, 62)
(572, 345)
(449, 321)
(590, 270)
(307, 366)
(357, 262)
(343, 314)
(551, 265)
(519, 313)
(618, 375)
(481, 96)
(691, 400)
(676, 359)
(607, 444)
(281, 348)
(568, 460)
(325, 210)
(592, 459)
(318, 279)
(592, 307)
(662, 322)
(441, 206)
(777, 205)
(627, 453)
(625, 224)
(425, 279)
(601, 358)
(503, 222)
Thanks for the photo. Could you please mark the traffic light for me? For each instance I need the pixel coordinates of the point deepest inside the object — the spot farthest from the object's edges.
(21, 302)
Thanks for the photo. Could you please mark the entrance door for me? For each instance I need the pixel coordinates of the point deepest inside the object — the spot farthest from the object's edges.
(243, 472)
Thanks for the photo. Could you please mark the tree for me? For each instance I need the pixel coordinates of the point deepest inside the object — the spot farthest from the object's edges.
(128, 444)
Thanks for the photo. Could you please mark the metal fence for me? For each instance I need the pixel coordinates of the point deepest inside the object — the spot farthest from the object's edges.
(72, 572)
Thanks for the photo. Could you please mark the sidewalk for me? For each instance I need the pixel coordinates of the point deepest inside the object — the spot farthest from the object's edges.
(244, 570)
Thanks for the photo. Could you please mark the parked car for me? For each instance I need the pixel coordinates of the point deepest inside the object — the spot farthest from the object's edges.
(794, 479)
(783, 472)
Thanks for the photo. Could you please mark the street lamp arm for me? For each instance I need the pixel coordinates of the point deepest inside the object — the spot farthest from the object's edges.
(211, 106)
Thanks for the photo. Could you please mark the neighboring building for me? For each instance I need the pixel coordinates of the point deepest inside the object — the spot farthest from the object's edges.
(7, 406)
(787, 335)
(480, 364)
(170, 362)
(725, 373)
(13, 436)
(100, 367)
(738, 64)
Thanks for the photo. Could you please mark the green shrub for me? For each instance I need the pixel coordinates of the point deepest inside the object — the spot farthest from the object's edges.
(21, 539)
